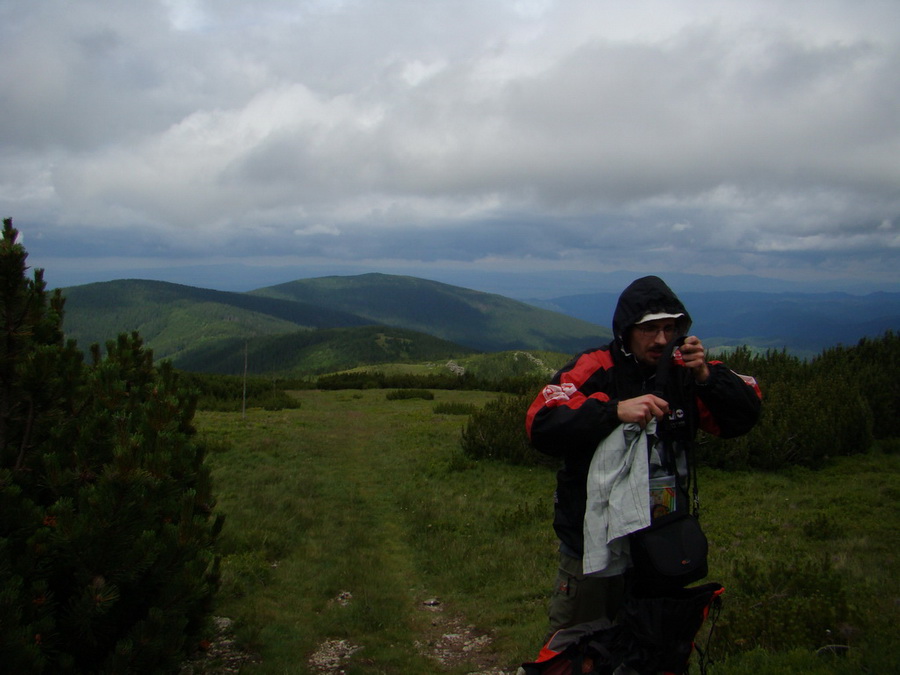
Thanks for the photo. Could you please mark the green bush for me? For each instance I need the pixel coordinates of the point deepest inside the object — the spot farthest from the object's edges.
(516, 384)
(232, 393)
(406, 394)
(354, 380)
(836, 405)
(106, 527)
(454, 408)
(811, 411)
(872, 365)
(784, 603)
(497, 431)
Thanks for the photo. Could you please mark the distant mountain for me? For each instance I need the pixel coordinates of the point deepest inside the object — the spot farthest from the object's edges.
(803, 323)
(316, 324)
(483, 321)
(173, 318)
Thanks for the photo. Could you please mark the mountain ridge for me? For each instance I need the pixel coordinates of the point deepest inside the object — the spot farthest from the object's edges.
(197, 327)
(484, 321)
(186, 324)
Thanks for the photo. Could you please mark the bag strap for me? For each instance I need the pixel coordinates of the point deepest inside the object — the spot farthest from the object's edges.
(663, 369)
(665, 365)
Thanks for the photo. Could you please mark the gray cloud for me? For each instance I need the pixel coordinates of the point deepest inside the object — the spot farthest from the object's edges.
(752, 137)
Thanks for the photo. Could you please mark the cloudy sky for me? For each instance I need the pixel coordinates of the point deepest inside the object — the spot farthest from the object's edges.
(238, 143)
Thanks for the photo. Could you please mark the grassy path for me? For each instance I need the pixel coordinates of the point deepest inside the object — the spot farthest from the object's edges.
(329, 509)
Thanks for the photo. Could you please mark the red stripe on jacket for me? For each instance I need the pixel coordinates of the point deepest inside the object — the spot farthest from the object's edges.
(566, 391)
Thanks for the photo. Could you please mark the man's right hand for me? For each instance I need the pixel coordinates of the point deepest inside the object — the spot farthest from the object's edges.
(642, 409)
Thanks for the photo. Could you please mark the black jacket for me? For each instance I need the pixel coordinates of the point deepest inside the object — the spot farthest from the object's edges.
(577, 409)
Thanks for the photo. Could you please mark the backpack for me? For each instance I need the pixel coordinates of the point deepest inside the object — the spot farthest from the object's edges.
(590, 647)
(653, 634)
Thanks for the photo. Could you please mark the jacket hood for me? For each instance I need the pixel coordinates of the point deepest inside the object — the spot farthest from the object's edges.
(647, 295)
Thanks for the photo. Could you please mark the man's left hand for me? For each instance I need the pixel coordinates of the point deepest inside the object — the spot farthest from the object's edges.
(694, 357)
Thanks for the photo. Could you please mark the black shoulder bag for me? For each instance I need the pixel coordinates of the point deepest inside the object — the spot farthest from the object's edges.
(672, 551)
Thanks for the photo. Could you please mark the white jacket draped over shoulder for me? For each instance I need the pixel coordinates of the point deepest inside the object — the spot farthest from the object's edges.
(618, 489)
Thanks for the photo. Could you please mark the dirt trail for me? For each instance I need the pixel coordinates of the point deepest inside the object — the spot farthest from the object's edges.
(448, 641)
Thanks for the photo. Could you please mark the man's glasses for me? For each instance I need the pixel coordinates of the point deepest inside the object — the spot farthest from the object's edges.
(650, 330)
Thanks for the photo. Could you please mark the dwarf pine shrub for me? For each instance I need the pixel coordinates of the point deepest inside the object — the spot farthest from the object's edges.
(497, 431)
(454, 408)
(106, 525)
(406, 394)
(784, 603)
(809, 413)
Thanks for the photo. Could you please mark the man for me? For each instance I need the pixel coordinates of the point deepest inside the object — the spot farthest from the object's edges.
(603, 388)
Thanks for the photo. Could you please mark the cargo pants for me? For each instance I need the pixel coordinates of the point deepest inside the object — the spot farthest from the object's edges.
(578, 598)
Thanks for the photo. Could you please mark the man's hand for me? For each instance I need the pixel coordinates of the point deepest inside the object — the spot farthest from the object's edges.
(642, 409)
(694, 356)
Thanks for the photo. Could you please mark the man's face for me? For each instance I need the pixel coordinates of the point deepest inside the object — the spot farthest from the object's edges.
(648, 340)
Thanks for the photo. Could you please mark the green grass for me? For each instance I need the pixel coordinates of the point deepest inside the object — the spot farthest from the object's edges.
(809, 558)
(356, 493)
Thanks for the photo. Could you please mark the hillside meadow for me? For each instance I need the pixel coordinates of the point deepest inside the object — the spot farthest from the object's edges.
(356, 527)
